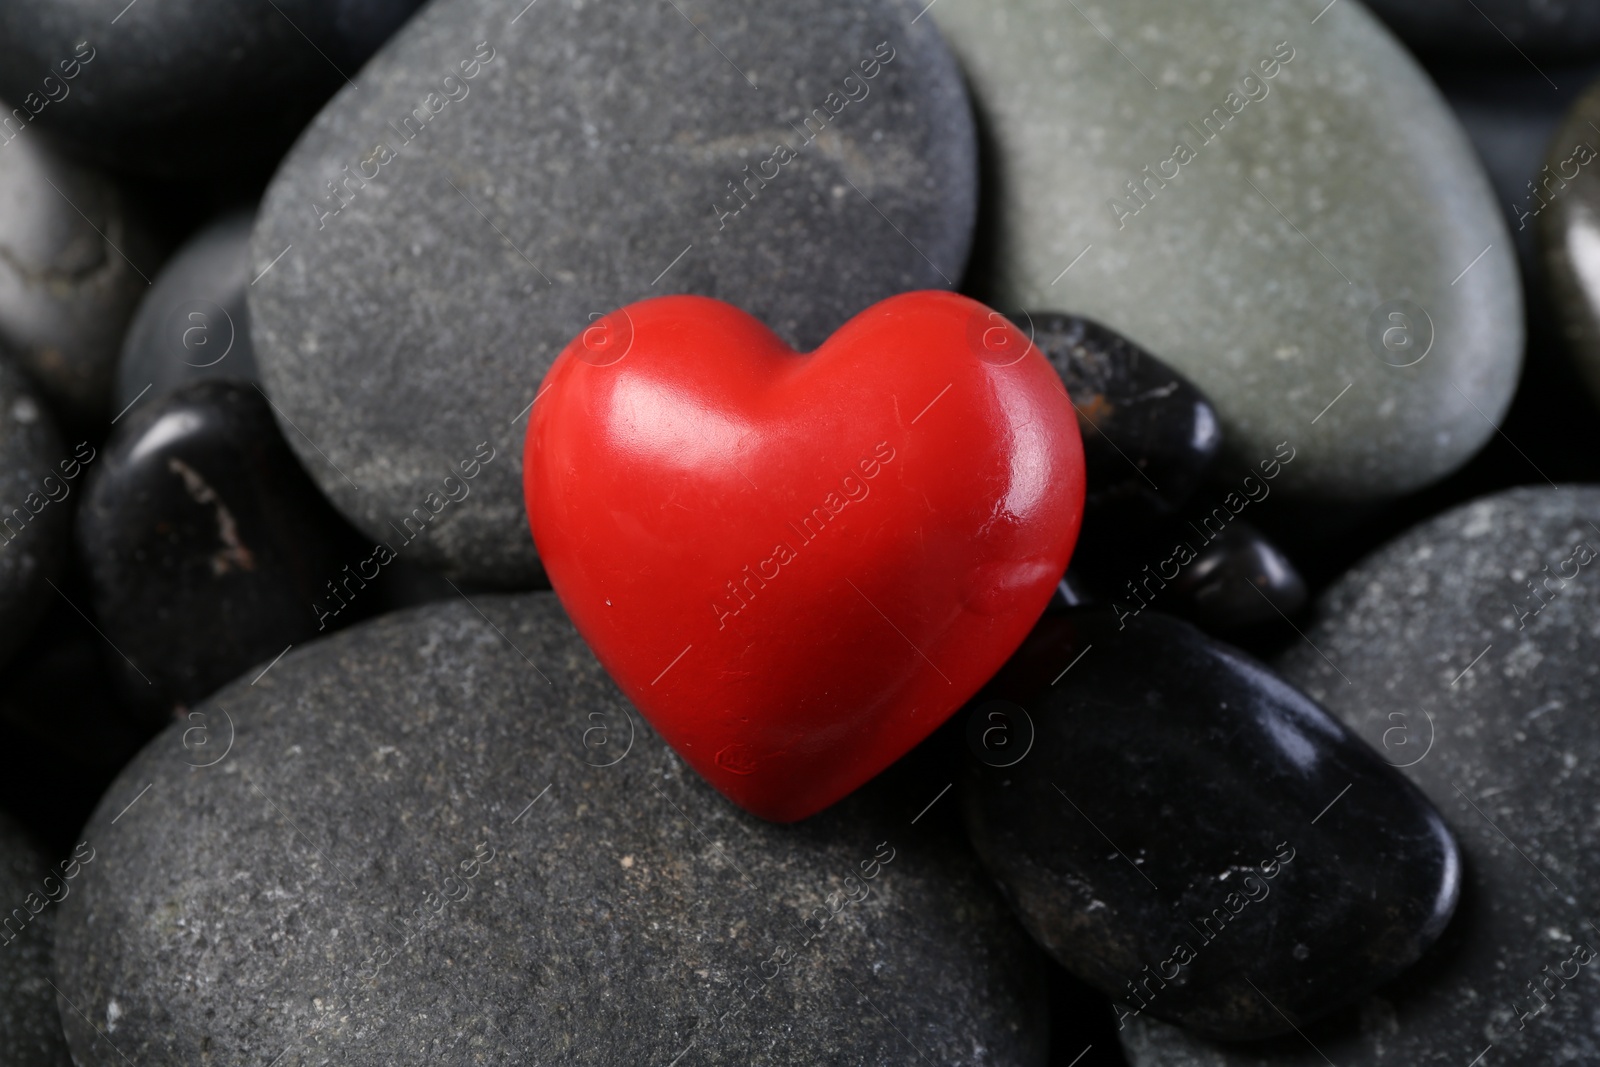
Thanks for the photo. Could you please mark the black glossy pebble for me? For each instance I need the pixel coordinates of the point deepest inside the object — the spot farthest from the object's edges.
(208, 547)
(1149, 435)
(1237, 581)
(1197, 838)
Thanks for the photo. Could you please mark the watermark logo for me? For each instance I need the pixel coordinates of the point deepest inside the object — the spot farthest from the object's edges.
(199, 333)
(996, 339)
(1400, 332)
(606, 340)
(1000, 733)
(1404, 746)
(598, 739)
(197, 740)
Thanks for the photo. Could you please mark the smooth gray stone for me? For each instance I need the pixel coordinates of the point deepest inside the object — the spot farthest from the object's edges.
(30, 1028)
(1504, 31)
(183, 87)
(264, 905)
(35, 515)
(74, 261)
(1565, 201)
(581, 168)
(1265, 267)
(192, 324)
(1509, 751)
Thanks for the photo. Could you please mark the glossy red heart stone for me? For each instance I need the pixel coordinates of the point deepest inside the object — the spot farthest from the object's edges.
(798, 566)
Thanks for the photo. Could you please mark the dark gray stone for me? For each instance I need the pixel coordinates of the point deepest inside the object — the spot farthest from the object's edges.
(1495, 29)
(192, 325)
(74, 261)
(30, 1029)
(420, 299)
(36, 478)
(606, 900)
(1433, 652)
(183, 86)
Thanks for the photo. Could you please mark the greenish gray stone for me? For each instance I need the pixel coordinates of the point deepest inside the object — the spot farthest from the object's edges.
(444, 236)
(1261, 268)
(588, 899)
(1438, 654)
(1564, 203)
(30, 1029)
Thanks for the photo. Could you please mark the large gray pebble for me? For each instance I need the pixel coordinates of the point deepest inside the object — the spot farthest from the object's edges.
(1266, 258)
(1509, 750)
(504, 173)
(259, 901)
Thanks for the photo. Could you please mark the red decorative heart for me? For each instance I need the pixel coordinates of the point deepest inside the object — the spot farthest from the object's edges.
(798, 566)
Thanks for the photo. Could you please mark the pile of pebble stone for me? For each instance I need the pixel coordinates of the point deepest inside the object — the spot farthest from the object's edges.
(302, 762)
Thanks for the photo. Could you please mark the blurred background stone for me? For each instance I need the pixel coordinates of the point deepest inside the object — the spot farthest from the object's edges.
(75, 257)
(30, 1029)
(192, 324)
(183, 84)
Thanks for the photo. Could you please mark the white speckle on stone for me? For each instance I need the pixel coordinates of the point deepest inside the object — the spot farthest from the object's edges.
(1480, 520)
(113, 1013)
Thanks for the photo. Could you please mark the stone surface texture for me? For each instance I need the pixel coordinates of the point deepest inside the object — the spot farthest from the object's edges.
(1264, 258)
(503, 178)
(1436, 652)
(445, 834)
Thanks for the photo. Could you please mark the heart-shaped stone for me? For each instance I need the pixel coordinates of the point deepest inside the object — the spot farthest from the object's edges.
(798, 566)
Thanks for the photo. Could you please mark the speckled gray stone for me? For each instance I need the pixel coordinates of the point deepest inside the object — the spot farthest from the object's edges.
(192, 324)
(609, 900)
(589, 162)
(35, 517)
(1495, 29)
(1509, 750)
(1264, 267)
(1565, 206)
(183, 86)
(30, 1029)
(74, 261)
